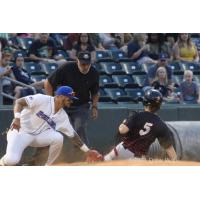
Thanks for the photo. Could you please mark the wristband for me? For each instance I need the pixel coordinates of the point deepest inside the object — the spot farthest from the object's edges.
(17, 115)
(84, 148)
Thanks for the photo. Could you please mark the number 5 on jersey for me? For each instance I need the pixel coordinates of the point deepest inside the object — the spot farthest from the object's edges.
(147, 128)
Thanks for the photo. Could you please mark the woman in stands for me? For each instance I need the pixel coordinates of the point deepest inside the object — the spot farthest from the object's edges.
(161, 83)
(139, 50)
(185, 49)
(84, 44)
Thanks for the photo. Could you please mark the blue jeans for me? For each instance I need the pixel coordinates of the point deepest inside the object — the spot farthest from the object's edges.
(79, 116)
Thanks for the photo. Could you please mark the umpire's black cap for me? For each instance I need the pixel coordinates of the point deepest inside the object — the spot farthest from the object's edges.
(84, 57)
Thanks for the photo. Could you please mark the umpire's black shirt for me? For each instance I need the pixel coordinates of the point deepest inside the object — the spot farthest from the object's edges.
(84, 85)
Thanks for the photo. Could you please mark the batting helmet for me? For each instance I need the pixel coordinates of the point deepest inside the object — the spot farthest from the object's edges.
(152, 98)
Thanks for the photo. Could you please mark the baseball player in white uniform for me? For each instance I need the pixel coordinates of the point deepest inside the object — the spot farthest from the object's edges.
(38, 121)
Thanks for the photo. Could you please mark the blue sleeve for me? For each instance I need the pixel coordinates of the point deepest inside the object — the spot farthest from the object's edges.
(20, 77)
(132, 48)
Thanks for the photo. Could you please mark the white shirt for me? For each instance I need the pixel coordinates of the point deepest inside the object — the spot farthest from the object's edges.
(32, 124)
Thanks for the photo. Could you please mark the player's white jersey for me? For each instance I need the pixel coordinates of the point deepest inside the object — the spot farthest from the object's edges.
(39, 115)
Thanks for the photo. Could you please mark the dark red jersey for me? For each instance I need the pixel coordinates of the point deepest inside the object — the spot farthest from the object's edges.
(144, 128)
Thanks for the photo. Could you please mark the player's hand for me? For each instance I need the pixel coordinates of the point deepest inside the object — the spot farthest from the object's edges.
(94, 113)
(93, 156)
(15, 124)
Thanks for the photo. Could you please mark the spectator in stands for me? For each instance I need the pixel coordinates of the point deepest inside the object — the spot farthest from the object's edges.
(128, 37)
(139, 50)
(170, 39)
(5, 70)
(162, 84)
(96, 41)
(108, 41)
(185, 49)
(84, 44)
(70, 41)
(44, 49)
(23, 76)
(157, 45)
(189, 89)
(162, 62)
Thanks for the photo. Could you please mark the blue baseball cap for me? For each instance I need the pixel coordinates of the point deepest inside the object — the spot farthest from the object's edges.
(162, 56)
(66, 91)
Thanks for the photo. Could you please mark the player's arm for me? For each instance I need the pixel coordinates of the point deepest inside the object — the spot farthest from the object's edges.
(48, 88)
(76, 140)
(123, 129)
(171, 153)
(91, 155)
(18, 107)
(127, 124)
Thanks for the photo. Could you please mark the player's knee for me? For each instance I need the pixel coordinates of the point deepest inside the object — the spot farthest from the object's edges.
(11, 160)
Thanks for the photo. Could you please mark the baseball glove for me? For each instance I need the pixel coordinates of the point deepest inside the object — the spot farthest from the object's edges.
(93, 156)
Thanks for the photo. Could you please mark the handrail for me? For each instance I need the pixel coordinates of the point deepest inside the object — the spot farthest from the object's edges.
(13, 81)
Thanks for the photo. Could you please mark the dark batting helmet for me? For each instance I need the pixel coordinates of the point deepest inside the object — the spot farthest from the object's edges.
(153, 98)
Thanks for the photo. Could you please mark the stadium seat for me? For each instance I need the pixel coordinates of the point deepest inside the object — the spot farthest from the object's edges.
(104, 96)
(103, 56)
(107, 81)
(63, 54)
(25, 43)
(125, 81)
(196, 78)
(118, 95)
(119, 55)
(140, 79)
(99, 68)
(58, 38)
(136, 94)
(34, 68)
(49, 67)
(195, 67)
(177, 68)
(37, 78)
(19, 53)
(177, 79)
(133, 68)
(112, 68)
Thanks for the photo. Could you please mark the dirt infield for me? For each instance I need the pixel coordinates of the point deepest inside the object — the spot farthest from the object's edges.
(134, 163)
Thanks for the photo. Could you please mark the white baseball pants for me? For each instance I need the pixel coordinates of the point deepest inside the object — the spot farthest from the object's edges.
(18, 142)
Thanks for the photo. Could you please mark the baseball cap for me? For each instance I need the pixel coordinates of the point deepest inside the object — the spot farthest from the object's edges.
(162, 56)
(66, 91)
(84, 57)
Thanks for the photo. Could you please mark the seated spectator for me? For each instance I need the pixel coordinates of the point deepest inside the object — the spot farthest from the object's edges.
(84, 44)
(44, 49)
(96, 41)
(157, 45)
(23, 76)
(138, 50)
(70, 41)
(185, 49)
(128, 37)
(162, 84)
(5, 70)
(162, 62)
(189, 89)
(108, 41)
(170, 40)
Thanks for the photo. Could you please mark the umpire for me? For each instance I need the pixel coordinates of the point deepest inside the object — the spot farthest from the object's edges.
(84, 79)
